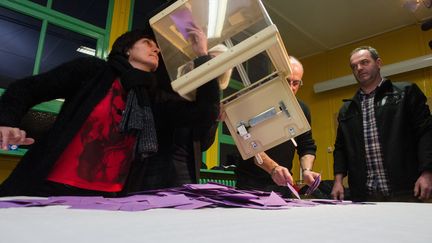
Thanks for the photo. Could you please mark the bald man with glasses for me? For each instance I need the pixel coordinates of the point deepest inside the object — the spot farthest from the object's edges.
(274, 172)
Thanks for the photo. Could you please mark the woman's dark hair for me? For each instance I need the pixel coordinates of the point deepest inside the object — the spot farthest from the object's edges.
(123, 43)
(127, 40)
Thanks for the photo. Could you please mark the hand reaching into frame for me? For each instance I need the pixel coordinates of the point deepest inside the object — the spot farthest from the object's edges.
(13, 135)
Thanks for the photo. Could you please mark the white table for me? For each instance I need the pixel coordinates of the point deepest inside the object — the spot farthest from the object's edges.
(383, 222)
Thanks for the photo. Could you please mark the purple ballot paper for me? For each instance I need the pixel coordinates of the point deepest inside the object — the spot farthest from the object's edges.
(293, 190)
(314, 186)
(190, 196)
(183, 20)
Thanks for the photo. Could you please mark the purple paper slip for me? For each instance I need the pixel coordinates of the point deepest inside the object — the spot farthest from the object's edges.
(301, 203)
(136, 206)
(135, 198)
(272, 200)
(314, 185)
(205, 186)
(169, 201)
(96, 206)
(9, 204)
(293, 190)
(195, 204)
(66, 200)
(183, 20)
(256, 192)
(238, 196)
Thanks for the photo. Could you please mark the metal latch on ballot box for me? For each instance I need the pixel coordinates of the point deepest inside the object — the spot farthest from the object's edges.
(242, 127)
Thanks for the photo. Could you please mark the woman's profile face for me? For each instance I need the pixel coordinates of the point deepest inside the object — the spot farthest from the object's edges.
(144, 55)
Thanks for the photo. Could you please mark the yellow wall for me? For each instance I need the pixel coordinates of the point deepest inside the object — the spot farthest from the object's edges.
(120, 19)
(7, 164)
(396, 46)
(212, 157)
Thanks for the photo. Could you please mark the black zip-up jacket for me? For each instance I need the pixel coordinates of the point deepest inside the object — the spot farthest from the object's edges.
(83, 83)
(405, 131)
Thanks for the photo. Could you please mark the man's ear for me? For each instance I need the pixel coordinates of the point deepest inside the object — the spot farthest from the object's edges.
(379, 62)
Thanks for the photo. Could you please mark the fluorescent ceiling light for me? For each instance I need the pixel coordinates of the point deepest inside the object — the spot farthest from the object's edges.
(412, 5)
(86, 50)
(216, 18)
(387, 70)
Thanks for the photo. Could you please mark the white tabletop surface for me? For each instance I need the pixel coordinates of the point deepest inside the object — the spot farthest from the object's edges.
(382, 222)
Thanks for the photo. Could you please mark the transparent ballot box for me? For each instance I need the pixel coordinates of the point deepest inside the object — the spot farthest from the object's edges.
(265, 112)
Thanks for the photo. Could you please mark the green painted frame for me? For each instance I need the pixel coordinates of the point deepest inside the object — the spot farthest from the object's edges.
(47, 15)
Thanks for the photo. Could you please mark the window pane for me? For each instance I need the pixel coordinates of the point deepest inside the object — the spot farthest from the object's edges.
(62, 45)
(234, 76)
(225, 129)
(19, 37)
(91, 11)
(41, 2)
(142, 11)
(229, 155)
(258, 67)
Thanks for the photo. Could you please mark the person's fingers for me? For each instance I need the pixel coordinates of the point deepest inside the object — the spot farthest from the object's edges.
(280, 181)
(14, 136)
(417, 189)
(335, 196)
(341, 196)
(425, 192)
(4, 139)
(309, 177)
(16, 133)
(337, 193)
(427, 195)
(28, 141)
(280, 178)
(277, 180)
(22, 137)
(192, 24)
(288, 178)
(420, 193)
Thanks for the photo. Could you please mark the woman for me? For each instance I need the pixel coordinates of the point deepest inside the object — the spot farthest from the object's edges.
(113, 114)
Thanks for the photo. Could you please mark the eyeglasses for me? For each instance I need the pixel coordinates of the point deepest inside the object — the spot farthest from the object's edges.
(295, 82)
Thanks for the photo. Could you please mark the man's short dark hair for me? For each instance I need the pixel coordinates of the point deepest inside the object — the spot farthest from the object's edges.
(373, 52)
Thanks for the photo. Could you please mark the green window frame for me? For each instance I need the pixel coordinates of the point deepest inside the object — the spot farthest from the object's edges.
(50, 16)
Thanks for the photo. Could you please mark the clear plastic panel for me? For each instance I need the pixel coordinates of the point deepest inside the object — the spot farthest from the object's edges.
(225, 22)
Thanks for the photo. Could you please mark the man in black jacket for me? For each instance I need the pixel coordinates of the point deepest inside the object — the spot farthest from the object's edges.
(274, 173)
(384, 137)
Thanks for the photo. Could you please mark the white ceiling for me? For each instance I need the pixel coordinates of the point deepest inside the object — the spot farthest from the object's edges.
(309, 27)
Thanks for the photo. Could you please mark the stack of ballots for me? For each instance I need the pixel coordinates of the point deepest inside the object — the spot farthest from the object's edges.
(189, 196)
